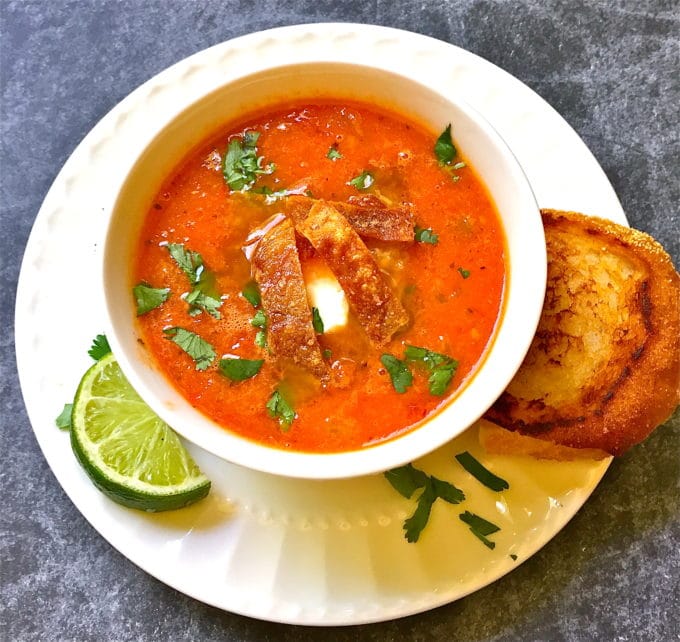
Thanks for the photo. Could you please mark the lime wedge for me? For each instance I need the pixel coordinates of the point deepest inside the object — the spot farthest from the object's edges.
(126, 449)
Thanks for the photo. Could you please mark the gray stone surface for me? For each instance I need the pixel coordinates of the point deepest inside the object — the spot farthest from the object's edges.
(610, 68)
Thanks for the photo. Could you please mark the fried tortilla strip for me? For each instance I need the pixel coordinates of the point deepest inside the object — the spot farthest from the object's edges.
(276, 269)
(604, 367)
(369, 296)
(368, 216)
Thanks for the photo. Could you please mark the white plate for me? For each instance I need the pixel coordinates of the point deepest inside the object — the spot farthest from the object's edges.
(274, 548)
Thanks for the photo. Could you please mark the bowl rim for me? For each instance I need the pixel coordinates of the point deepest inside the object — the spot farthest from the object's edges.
(397, 450)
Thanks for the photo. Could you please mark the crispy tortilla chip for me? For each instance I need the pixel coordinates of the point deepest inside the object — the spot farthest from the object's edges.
(370, 297)
(276, 269)
(369, 216)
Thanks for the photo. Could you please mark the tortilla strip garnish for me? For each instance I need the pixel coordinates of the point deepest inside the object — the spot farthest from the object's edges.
(369, 296)
(276, 269)
(369, 216)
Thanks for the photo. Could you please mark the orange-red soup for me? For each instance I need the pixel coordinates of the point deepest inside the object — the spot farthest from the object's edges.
(452, 291)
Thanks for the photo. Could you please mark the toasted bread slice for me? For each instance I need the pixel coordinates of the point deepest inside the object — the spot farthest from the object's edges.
(499, 441)
(604, 367)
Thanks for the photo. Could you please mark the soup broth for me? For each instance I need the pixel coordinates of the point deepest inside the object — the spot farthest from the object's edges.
(392, 324)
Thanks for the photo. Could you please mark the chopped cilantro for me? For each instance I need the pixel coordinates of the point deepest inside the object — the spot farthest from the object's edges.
(251, 293)
(464, 273)
(441, 376)
(100, 347)
(327, 354)
(441, 367)
(63, 421)
(399, 372)
(259, 320)
(363, 181)
(317, 321)
(406, 480)
(261, 339)
(333, 153)
(196, 347)
(201, 298)
(190, 262)
(444, 148)
(425, 235)
(240, 369)
(446, 491)
(429, 358)
(279, 408)
(149, 298)
(480, 473)
(271, 194)
(199, 301)
(242, 165)
(414, 525)
(480, 527)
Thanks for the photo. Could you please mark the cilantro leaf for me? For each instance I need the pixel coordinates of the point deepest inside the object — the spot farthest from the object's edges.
(333, 153)
(429, 358)
(406, 479)
(414, 525)
(279, 408)
(399, 372)
(444, 148)
(149, 298)
(317, 321)
(363, 181)
(441, 376)
(251, 293)
(464, 273)
(480, 527)
(63, 421)
(199, 301)
(259, 320)
(100, 347)
(425, 235)
(480, 473)
(447, 491)
(441, 367)
(327, 353)
(196, 347)
(242, 165)
(190, 262)
(202, 297)
(240, 369)
(261, 339)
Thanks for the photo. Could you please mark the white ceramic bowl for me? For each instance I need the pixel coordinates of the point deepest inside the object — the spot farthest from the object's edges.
(223, 97)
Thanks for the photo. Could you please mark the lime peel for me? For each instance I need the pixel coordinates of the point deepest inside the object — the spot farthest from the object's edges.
(128, 452)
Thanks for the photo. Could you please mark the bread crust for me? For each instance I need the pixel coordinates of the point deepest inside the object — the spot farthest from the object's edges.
(604, 367)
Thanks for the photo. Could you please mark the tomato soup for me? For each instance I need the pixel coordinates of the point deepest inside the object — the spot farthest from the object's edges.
(320, 277)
